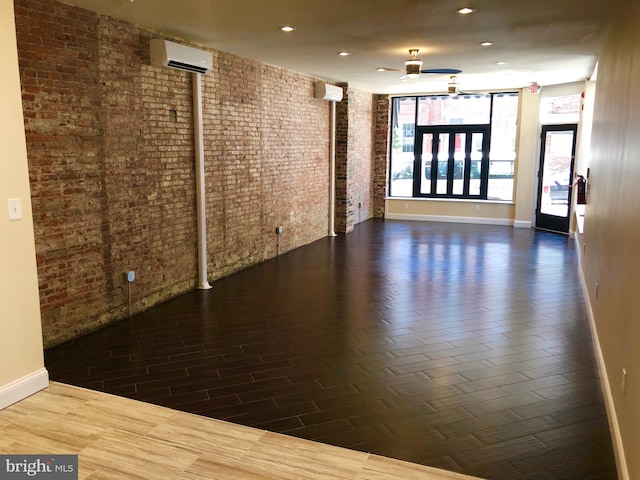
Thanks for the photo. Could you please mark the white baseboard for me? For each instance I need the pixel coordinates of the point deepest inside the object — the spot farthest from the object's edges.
(447, 219)
(614, 425)
(521, 224)
(23, 387)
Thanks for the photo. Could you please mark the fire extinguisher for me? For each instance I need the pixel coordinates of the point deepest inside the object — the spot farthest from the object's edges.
(581, 183)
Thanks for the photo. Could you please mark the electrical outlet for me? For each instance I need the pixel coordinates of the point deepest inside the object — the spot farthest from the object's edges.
(279, 230)
(405, 205)
(477, 207)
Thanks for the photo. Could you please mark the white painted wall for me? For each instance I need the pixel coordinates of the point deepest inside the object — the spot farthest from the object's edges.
(611, 240)
(526, 158)
(21, 356)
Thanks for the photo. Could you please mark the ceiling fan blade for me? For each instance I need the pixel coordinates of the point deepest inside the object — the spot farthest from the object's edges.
(388, 69)
(441, 71)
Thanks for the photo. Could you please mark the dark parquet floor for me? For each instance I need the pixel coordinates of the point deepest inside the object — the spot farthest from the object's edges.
(464, 347)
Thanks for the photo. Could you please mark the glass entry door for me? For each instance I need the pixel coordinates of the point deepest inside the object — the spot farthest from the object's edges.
(451, 161)
(555, 177)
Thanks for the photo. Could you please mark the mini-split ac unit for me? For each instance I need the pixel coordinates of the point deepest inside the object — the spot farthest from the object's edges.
(169, 54)
(328, 92)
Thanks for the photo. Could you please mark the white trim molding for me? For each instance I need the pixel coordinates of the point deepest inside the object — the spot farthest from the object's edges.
(23, 387)
(448, 219)
(614, 425)
(521, 224)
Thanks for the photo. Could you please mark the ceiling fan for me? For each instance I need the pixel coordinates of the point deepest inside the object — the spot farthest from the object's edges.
(413, 67)
(453, 88)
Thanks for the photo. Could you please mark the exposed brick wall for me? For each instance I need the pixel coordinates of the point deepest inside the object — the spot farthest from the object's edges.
(111, 159)
(58, 50)
(233, 162)
(354, 159)
(382, 119)
(295, 159)
(361, 140)
(343, 202)
(267, 162)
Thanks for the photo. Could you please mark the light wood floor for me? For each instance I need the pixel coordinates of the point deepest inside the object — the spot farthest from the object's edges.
(126, 439)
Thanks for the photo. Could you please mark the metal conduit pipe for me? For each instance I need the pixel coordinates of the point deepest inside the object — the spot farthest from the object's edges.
(332, 171)
(201, 212)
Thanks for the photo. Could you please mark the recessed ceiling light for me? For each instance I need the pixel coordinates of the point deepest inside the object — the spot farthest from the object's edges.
(287, 28)
(381, 69)
(501, 63)
(486, 44)
(465, 10)
(344, 54)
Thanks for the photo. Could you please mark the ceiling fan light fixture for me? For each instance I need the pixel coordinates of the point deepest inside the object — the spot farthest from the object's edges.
(465, 10)
(413, 65)
(452, 86)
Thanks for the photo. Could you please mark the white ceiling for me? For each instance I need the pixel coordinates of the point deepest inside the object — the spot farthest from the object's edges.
(544, 41)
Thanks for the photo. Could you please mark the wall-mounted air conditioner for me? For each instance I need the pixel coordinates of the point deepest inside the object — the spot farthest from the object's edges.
(169, 54)
(328, 92)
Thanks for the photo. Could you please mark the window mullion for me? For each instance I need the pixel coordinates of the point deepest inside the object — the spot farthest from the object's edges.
(467, 163)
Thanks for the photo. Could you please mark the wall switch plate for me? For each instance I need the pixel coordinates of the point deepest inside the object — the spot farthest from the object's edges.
(130, 276)
(15, 209)
(279, 230)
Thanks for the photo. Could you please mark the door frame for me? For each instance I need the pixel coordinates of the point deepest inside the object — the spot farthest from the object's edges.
(551, 222)
(451, 130)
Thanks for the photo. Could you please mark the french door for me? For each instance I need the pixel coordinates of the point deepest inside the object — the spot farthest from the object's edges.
(451, 161)
(555, 176)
